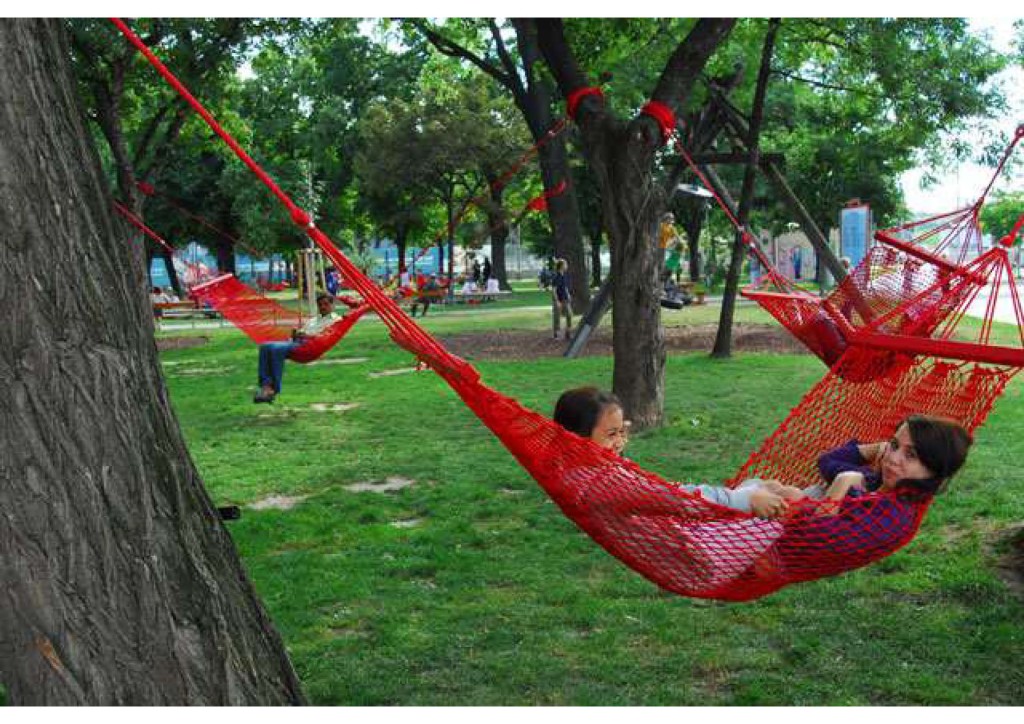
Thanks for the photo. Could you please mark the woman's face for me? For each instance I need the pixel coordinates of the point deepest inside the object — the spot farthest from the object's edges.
(900, 461)
(611, 431)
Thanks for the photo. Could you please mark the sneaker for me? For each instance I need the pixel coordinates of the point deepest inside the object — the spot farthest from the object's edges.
(263, 398)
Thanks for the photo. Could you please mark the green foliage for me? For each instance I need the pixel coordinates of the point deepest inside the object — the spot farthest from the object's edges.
(1001, 213)
(471, 588)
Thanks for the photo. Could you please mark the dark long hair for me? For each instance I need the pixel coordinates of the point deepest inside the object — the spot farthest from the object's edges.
(942, 447)
(577, 410)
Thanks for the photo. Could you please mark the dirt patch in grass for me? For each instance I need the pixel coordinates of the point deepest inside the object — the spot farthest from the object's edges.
(165, 343)
(526, 344)
(333, 406)
(1010, 563)
(278, 502)
(391, 373)
(387, 485)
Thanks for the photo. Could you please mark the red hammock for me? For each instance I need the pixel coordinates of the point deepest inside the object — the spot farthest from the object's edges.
(678, 539)
(259, 317)
(909, 283)
(264, 320)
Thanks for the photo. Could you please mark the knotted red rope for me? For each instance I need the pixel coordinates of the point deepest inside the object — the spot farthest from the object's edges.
(664, 115)
(540, 203)
(572, 101)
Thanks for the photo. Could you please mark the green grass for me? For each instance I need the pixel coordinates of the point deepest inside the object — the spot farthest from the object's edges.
(485, 594)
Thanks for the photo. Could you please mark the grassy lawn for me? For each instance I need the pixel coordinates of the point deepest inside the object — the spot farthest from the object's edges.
(469, 587)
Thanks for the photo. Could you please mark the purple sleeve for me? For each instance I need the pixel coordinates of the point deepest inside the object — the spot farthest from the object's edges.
(842, 459)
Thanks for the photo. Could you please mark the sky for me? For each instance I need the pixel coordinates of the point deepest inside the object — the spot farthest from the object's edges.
(963, 185)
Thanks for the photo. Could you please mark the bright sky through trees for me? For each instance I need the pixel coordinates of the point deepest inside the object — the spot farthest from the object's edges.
(966, 181)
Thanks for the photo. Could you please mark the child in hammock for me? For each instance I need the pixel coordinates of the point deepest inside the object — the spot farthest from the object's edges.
(916, 463)
(922, 455)
(597, 415)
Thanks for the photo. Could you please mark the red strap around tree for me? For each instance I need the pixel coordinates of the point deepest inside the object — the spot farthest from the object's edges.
(664, 115)
(572, 101)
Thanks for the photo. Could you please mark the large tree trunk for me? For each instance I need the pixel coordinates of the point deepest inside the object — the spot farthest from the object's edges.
(121, 585)
(621, 155)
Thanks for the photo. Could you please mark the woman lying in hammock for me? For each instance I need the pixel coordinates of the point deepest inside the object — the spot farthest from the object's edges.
(795, 535)
(922, 455)
(595, 414)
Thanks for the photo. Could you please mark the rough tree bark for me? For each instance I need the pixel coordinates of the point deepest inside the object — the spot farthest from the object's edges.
(120, 584)
(621, 156)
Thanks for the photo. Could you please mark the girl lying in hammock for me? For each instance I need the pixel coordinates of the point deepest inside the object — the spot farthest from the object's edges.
(794, 536)
(595, 414)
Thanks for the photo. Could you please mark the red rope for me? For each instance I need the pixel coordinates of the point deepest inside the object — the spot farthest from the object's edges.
(572, 101)
(137, 223)
(664, 115)
(300, 217)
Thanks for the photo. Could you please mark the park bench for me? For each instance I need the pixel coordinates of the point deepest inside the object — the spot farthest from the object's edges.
(184, 309)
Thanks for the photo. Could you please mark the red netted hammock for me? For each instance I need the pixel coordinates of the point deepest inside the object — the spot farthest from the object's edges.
(264, 320)
(678, 539)
(909, 283)
(259, 317)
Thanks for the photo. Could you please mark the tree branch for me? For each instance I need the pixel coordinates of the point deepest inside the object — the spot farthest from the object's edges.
(452, 49)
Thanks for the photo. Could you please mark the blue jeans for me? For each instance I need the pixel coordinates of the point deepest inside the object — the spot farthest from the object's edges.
(272, 357)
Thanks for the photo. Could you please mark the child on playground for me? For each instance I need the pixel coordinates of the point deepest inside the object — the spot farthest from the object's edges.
(597, 415)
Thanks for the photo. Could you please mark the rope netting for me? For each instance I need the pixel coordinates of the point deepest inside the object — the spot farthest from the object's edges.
(673, 536)
(258, 316)
(264, 320)
(916, 281)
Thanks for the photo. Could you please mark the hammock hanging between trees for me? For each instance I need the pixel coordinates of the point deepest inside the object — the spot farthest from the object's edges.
(905, 285)
(678, 539)
(264, 320)
(259, 317)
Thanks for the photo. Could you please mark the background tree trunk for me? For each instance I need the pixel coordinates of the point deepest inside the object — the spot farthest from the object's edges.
(121, 585)
(497, 222)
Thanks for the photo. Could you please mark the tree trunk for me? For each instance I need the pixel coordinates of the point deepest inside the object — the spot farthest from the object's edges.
(595, 262)
(723, 338)
(497, 221)
(693, 223)
(172, 272)
(121, 585)
(564, 215)
(225, 255)
(401, 244)
(621, 156)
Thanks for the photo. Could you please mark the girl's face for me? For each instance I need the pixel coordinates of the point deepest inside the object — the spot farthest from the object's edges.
(611, 431)
(900, 461)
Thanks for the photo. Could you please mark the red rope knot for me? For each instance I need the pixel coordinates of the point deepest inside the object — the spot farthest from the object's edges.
(572, 101)
(664, 115)
(1010, 238)
(301, 218)
(540, 203)
(146, 188)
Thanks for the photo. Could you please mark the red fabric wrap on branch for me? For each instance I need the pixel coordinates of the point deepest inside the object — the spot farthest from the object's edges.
(664, 115)
(540, 203)
(572, 101)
